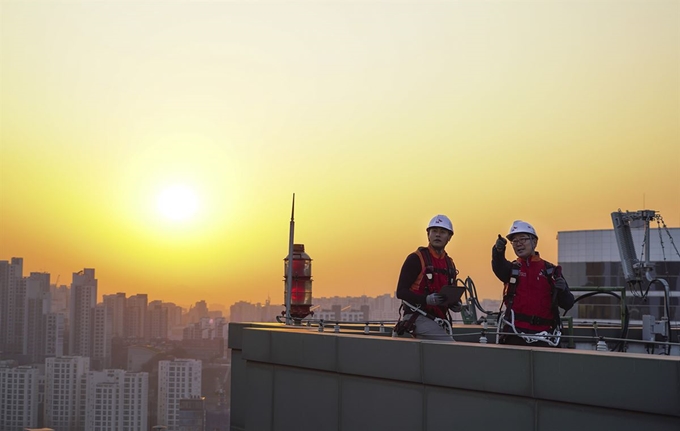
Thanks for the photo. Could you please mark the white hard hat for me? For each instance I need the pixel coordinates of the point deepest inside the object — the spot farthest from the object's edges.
(440, 221)
(519, 226)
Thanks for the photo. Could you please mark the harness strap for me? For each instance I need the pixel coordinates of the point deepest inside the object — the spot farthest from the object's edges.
(556, 322)
(512, 287)
(534, 320)
(429, 269)
(416, 310)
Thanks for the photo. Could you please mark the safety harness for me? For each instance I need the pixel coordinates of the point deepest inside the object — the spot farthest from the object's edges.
(408, 325)
(429, 269)
(509, 317)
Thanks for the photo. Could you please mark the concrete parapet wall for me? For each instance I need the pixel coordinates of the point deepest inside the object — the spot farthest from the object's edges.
(299, 379)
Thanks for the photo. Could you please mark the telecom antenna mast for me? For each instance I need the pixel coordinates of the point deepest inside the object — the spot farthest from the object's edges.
(634, 268)
(289, 278)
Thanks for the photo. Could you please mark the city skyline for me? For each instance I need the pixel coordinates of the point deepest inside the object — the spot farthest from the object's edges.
(117, 301)
(161, 143)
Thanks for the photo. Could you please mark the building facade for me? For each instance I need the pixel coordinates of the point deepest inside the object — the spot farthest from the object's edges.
(12, 307)
(192, 414)
(18, 398)
(55, 324)
(590, 258)
(177, 379)
(101, 338)
(63, 387)
(83, 299)
(135, 316)
(158, 320)
(115, 304)
(115, 400)
(37, 307)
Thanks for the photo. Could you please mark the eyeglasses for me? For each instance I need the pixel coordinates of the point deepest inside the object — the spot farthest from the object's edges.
(518, 241)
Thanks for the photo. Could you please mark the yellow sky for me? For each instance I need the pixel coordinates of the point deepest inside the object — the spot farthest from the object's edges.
(377, 115)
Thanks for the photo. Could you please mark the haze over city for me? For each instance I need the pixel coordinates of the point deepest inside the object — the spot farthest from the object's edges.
(160, 143)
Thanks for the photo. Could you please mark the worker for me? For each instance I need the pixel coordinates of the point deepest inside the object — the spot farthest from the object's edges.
(533, 291)
(422, 276)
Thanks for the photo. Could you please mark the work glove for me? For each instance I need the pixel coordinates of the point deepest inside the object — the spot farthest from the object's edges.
(500, 243)
(560, 284)
(435, 299)
(456, 307)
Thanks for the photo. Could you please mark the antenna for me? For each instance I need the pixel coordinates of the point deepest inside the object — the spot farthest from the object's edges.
(289, 281)
(633, 269)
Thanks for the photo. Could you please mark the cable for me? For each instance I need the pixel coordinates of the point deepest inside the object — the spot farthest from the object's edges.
(626, 318)
(469, 284)
(668, 311)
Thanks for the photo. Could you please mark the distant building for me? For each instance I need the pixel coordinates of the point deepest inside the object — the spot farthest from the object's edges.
(81, 312)
(36, 309)
(137, 356)
(192, 414)
(204, 349)
(12, 309)
(175, 326)
(18, 398)
(115, 400)
(158, 320)
(63, 391)
(115, 304)
(381, 308)
(177, 379)
(198, 311)
(339, 314)
(135, 316)
(246, 312)
(55, 325)
(60, 298)
(101, 338)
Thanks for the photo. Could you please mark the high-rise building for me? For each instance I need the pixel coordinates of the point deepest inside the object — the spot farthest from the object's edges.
(135, 316)
(174, 313)
(101, 338)
(195, 313)
(135, 401)
(37, 307)
(12, 307)
(177, 379)
(55, 325)
(81, 312)
(18, 398)
(192, 414)
(174, 320)
(115, 400)
(116, 305)
(158, 320)
(63, 387)
(246, 312)
(60, 298)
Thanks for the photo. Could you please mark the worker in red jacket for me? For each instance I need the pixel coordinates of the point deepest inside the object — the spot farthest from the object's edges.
(533, 293)
(422, 276)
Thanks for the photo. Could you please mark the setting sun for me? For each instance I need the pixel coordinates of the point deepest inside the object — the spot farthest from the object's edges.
(177, 203)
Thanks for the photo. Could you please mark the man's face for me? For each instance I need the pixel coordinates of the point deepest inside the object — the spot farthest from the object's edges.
(438, 237)
(523, 245)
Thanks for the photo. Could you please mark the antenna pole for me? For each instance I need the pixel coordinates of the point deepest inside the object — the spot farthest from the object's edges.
(289, 278)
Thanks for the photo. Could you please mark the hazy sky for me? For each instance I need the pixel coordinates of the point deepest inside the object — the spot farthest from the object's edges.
(377, 115)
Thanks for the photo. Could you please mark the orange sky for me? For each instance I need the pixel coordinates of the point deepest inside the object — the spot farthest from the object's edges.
(377, 115)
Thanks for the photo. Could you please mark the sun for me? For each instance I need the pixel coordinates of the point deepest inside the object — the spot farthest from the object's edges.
(177, 203)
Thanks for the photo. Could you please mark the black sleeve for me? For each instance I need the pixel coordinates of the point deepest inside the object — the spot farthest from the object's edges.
(501, 266)
(408, 275)
(565, 299)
